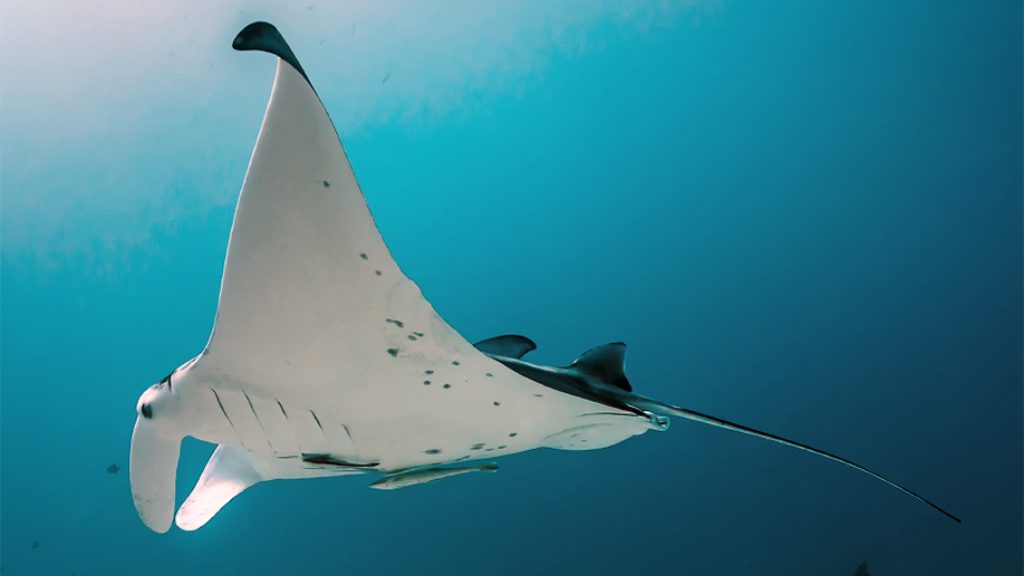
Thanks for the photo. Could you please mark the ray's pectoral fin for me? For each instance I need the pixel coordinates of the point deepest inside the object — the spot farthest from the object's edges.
(227, 474)
(264, 37)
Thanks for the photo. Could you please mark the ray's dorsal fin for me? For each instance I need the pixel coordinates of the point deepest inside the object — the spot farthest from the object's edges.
(509, 346)
(604, 363)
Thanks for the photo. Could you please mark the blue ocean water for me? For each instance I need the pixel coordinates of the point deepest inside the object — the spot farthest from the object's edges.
(801, 216)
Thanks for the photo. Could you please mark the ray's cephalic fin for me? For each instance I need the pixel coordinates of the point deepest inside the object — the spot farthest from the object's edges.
(152, 469)
(227, 474)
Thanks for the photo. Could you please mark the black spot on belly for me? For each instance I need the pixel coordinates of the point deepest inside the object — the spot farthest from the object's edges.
(539, 395)
(398, 323)
(455, 362)
(419, 334)
(377, 272)
(447, 386)
(432, 451)
(513, 434)
(329, 460)
(428, 372)
(364, 256)
(502, 447)
(496, 403)
(426, 382)
(489, 375)
(477, 446)
(393, 352)
(327, 184)
(411, 337)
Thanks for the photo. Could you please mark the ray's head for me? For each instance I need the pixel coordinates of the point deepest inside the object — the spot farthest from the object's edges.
(163, 404)
(154, 452)
(156, 399)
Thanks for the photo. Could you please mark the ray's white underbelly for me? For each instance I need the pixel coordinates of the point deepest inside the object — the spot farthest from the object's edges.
(284, 431)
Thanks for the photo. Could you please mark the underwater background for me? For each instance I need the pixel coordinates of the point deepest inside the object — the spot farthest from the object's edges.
(801, 216)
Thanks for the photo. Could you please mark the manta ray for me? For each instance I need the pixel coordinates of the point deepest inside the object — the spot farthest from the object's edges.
(326, 360)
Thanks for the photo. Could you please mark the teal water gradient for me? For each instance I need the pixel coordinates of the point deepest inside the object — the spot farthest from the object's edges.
(801, 216)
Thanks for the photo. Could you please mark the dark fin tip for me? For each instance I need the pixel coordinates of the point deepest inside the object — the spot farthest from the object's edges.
(265, 37)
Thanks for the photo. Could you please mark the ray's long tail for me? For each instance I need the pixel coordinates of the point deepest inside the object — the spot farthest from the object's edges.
(656, 406)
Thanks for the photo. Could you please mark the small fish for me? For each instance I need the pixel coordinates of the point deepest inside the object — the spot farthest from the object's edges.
(35, 545)
(862, 570)
(403, 479)
(113, 469)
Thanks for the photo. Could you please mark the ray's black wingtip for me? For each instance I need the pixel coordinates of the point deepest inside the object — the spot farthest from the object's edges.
(257, 34)
(265, 37)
